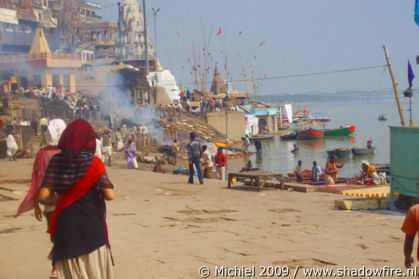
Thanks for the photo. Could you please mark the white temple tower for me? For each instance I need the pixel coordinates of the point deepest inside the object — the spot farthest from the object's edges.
(129, 43)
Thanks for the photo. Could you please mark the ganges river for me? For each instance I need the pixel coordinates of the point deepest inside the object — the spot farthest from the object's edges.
(277, 156)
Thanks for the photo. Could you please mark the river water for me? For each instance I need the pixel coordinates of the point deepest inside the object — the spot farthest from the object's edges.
(277, 157)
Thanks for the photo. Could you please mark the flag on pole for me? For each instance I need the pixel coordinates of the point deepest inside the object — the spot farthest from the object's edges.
(410, 74)
(417, 12)
(219, 31)
(261, 44)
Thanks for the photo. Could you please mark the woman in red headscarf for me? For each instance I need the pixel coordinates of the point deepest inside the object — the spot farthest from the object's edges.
(81, 248)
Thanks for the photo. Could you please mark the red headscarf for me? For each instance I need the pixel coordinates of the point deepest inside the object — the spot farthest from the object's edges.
(78, 136)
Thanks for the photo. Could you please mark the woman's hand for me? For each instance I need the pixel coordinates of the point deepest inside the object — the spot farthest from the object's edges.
(37, 212)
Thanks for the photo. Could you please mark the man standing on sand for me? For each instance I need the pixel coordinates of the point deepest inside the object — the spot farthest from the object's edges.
(298, 171)
(194, 154)
(220, 164)
(207, 162)
(43, 124)
(410, 228)
(107, 147)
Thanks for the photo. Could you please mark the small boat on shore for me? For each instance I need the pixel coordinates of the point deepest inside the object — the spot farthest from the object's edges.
(363, 150)
(343, 131)
(222, 144)
(339, 152)
(261, 137)
(289, 136)
(310, 134)
(382, 117)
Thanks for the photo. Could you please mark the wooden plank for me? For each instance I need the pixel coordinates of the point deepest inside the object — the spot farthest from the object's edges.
(305, 188)
(365, 203)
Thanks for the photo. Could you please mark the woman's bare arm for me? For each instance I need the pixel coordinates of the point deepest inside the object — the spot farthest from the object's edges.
(109, 194)
(44, 194)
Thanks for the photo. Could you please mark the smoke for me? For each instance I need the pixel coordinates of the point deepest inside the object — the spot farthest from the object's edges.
(117, 100)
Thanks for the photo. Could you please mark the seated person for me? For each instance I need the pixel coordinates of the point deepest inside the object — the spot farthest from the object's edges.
(158, 168)
(315, 172)
(298, 171)
(248, 166)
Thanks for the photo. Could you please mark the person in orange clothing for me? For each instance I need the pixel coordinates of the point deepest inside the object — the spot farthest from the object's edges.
(331, 171)
(410, 228)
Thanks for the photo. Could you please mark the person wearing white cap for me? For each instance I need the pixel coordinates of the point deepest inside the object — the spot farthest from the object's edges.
(52, 137)
(369, 171)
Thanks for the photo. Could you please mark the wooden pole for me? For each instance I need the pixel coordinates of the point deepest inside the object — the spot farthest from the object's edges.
(396, 91)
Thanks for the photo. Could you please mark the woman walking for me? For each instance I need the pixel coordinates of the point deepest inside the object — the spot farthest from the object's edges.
(81, 248)
(44, 155)
(130, 154)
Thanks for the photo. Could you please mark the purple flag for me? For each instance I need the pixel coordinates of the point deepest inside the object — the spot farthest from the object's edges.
(410, 74)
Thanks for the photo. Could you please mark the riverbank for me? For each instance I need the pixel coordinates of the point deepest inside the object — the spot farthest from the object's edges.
(161, 227)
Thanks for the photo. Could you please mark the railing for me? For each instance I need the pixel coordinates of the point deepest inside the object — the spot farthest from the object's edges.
(40, 56)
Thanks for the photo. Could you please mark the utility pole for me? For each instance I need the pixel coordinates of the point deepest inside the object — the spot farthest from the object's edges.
(147, 69)
(396, 90)
(155, 11)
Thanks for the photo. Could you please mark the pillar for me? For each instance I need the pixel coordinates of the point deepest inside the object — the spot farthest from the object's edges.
(269, 123)
(46, 80)
(72, 79)
(275, 118)
(61, 80)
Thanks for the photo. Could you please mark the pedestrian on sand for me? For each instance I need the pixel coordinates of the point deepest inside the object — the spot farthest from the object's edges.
(81, 248)
(194, 154)
(298, 171)
(44, 155)
(220, 164)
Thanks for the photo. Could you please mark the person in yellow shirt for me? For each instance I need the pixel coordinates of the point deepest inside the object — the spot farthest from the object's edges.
(368, 170)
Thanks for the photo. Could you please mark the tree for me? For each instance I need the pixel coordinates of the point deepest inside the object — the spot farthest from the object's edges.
(68, 23)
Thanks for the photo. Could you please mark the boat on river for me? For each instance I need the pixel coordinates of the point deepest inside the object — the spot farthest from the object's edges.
(339, 152)
(363, 150)
(343, 131)
(382, 117)
(310, 134)
(261, 137)
(289, 136)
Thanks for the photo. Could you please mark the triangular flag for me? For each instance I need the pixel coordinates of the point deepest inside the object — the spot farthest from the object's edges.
(178, 33)
(240, 33)
(219, 31)
(265, 75)
(410, 74)
(261, 44)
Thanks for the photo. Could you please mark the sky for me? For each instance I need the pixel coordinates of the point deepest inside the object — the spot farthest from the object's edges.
(300, 37)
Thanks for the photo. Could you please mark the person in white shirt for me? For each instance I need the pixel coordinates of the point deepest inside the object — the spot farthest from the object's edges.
(207, 162)
(12, 146)
(99, 148)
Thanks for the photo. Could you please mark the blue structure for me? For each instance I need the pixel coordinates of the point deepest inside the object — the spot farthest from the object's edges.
(404, 162)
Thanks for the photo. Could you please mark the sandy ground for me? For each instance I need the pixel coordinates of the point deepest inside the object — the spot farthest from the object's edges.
(161, 227)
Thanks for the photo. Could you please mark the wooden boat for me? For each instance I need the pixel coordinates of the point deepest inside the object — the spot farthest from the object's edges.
(363, 150)
(310, 134)
(382, 117)
(221, 144)
(289, 136)
(339, 152)
(345, 131)
(261, 137)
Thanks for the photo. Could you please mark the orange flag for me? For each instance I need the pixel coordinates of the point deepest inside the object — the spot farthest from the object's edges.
(261, 44)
